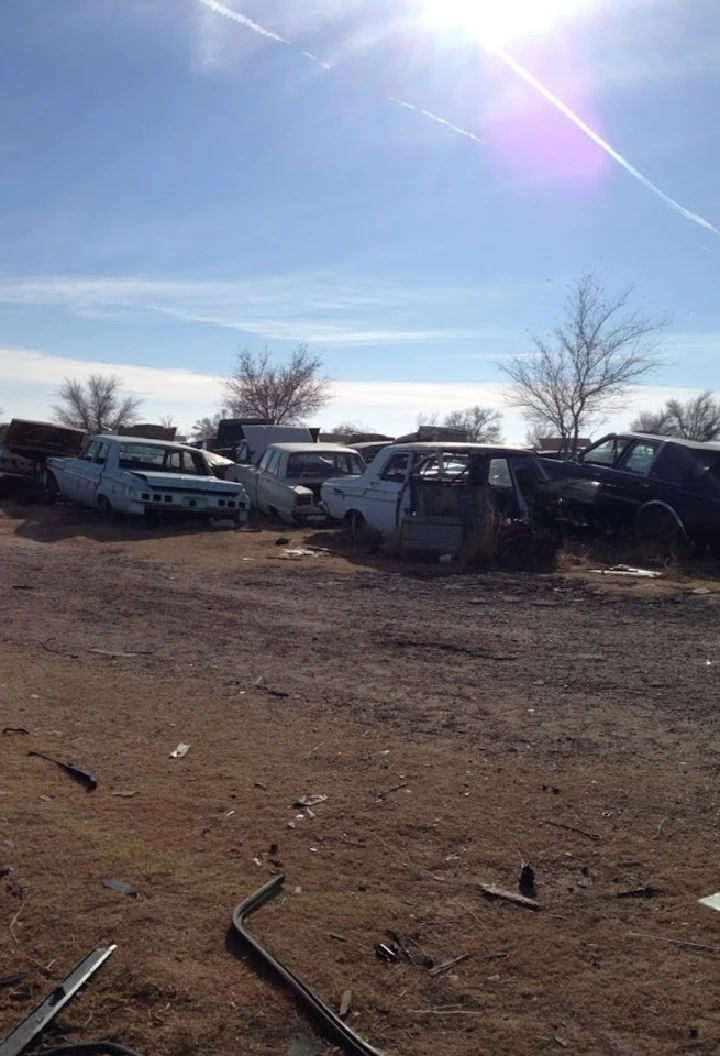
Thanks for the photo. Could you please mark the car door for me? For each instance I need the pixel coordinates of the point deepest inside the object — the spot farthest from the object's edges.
(267, 480)
(92, 468)
(75, 471)
(585, 485)
(380, 500)
(628, 486)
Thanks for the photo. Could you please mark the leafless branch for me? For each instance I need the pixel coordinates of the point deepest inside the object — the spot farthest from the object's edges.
(96, 405)
(284, 393)
(570, 380)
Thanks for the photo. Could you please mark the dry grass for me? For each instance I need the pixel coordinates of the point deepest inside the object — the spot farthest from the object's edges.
(503, 700)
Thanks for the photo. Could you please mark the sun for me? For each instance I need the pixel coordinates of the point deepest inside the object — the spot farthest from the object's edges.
(497, 21)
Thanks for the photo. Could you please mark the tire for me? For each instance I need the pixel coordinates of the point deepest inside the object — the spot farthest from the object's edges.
(358, 529)
(104, 506)
(658, 527)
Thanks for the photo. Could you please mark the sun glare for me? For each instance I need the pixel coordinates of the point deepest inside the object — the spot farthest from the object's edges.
(497, 21)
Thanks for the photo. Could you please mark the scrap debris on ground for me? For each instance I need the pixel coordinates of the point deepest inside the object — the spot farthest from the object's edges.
(541, 719)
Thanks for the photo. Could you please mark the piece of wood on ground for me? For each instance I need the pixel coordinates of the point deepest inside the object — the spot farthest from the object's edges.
(491, 891)
(345, 1002)
(440, 968)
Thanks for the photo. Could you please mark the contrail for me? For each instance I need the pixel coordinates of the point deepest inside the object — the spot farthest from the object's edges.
(526, 76)
(439, 120)
(243, 20)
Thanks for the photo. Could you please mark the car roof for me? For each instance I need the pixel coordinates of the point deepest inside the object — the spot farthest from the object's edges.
(695, 445)
(461, 447)
(295, 448)
(146, 443)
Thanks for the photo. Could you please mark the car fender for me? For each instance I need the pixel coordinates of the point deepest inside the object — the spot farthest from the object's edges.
(658, 504)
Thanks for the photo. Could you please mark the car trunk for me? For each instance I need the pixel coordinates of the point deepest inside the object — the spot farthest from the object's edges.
(37, 441)
(181, 482)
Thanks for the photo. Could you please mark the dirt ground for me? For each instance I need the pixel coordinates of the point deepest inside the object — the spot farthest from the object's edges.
(558, 719)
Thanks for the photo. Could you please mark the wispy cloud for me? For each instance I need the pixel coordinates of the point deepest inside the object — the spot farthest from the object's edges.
(545, 92)
(30, 378)
(287, 309)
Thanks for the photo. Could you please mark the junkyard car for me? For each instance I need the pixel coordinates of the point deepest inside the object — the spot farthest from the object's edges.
(286, 483)
(439, 498)
(145, 477)
(649, 487)
(25, 447)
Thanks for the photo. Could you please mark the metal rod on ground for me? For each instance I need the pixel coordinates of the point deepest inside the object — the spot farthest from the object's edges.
(352, 1043)
(36, 1022)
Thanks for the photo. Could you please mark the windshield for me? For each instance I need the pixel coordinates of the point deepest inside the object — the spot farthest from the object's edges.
(324, 464)
(158, 459)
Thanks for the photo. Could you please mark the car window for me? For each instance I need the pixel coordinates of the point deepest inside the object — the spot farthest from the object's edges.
(396, 468)
(605, 453)
(272, 463)
(499, 475)
(265, 459)
(323, 464)
(640, 458)
(89, 452)
(446, 466)
(102, 453)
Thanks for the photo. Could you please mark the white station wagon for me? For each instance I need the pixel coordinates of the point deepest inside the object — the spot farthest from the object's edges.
(118, 474)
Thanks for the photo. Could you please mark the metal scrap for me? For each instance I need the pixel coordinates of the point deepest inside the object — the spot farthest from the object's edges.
(491, 891)
(309, 801)
(352, 1043)
(10, 980)
(84, 777)
(180, 752)
(121, 886)
(23, 1035)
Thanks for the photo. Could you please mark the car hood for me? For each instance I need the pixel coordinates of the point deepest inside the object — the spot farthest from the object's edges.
(186, 482)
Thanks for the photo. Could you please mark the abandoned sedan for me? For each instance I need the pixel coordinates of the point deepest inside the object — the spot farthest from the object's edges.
(145, 477)
(652, 488)
(447, 499)
(286, 483)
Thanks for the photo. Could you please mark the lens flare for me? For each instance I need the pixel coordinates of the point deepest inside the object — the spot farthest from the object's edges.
(499, 21)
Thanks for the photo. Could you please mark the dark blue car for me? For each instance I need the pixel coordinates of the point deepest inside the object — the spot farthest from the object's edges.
(647, 487)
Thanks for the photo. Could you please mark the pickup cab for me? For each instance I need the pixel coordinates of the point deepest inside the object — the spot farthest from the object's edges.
(145, 477)
(287, 480)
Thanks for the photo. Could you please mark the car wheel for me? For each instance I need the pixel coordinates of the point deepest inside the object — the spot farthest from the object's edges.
(105, 507)
(358, 529)
(660, 528)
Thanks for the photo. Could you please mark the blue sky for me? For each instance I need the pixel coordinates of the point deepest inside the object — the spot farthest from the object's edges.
(176, 183)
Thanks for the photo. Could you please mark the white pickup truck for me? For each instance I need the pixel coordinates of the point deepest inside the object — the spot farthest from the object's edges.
(117, 474)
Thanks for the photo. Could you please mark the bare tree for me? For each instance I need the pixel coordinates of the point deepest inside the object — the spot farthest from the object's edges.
(655, 422)
(483, 425)
(167, 421)
(207, 428)
(695, 419)
(97, 405)
(285, 393)
(346, 431)
(570, 380)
